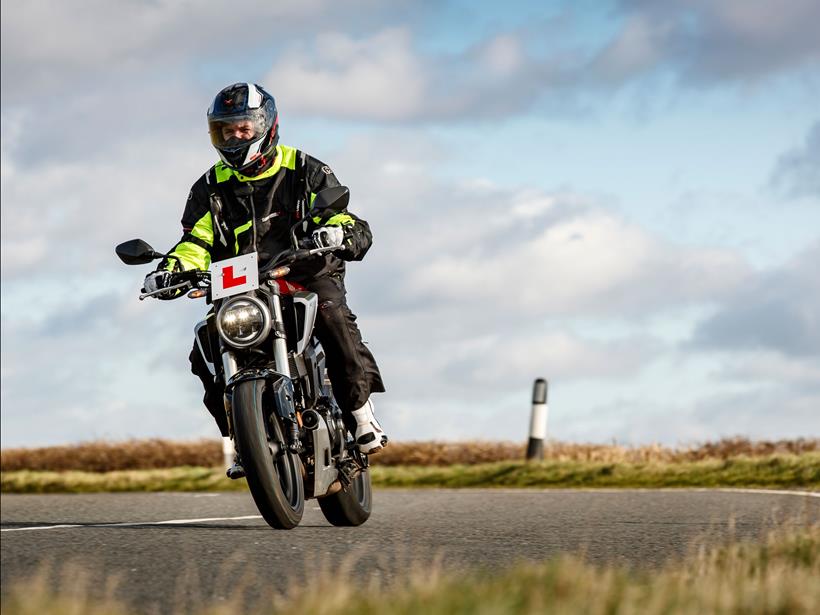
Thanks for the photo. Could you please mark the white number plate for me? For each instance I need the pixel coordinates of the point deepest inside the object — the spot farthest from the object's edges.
(234, 275)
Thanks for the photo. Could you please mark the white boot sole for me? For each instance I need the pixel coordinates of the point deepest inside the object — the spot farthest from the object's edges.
(375, 447)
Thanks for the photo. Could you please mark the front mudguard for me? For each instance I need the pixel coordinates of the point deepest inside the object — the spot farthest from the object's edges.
(280, 393)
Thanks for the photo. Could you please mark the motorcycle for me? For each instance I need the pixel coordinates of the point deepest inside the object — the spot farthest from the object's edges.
(285, 425)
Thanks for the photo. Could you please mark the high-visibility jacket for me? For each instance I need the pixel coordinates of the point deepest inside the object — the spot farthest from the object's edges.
(225, 210)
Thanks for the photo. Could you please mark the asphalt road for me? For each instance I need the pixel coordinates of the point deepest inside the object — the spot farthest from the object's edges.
(170, 547)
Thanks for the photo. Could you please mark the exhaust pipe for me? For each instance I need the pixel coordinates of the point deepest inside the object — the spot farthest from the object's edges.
(311, 419)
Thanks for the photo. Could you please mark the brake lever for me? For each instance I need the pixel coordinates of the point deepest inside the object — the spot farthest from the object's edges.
(325, 249)
(185, 284)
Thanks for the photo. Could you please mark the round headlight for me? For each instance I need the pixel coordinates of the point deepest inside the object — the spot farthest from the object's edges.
(243, 322)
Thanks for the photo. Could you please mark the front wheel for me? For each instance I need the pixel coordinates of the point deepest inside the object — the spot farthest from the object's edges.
(274, 476)
(351, 506)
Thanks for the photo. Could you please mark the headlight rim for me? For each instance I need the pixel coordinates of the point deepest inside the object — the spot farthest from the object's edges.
(266, 325)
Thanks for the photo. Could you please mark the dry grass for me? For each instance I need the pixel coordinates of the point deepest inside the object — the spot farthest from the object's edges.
(102, 456)
(775, 471)
(448, 453)
(779, 576)
(155, 454)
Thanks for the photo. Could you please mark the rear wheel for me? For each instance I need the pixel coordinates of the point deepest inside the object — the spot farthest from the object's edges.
(274, 476)
(351, 506)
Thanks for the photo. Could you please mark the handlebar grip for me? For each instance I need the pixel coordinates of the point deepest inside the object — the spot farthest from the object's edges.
(191, 274)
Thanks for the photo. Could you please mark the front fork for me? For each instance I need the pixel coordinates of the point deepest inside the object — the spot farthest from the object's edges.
(230, 367)
(280, 345)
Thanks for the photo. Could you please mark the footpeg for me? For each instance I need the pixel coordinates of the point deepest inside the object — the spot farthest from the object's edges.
(235, 471)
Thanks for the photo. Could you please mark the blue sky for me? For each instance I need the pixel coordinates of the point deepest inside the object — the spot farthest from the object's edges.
(623, 198)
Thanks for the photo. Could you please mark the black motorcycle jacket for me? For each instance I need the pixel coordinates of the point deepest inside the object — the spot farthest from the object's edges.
(226, 212)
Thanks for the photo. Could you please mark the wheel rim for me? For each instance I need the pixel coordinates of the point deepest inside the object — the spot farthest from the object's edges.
(359, 488)
(284, 466)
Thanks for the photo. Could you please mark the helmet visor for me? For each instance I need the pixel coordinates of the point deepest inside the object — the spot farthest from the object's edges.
(234, 131)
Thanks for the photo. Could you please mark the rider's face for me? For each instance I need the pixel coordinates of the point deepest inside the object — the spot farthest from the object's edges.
(242, 131)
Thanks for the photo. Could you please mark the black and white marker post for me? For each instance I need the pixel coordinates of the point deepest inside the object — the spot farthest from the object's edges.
(538, 421)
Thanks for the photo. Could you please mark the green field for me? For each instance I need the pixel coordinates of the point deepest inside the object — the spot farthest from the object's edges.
(775, 471)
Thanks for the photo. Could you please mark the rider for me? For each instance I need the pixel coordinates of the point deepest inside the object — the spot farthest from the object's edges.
(251, 199)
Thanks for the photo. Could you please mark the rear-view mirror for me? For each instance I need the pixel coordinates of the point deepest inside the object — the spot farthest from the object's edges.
(137, 252)
(330, 201)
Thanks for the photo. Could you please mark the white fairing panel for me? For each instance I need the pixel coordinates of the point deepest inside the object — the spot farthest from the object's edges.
(310, 303)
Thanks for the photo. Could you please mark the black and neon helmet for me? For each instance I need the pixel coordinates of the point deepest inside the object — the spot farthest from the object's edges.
(244, 127)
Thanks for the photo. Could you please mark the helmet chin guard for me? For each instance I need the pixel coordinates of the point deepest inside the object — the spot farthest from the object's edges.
(244, 126)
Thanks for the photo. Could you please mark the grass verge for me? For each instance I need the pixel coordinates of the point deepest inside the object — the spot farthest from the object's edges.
(778, 576)
(775, 471)
(107, 456)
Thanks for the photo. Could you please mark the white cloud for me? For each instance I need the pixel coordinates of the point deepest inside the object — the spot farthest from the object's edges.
(97, 363)
(772, 367)
(558, 254)
(473, 287)
(375, 78)
(776, 310)
(387, 77)
(64, 217)
(384, 77)
(590, 263)
(797, 172)
(467, 289)
(563, 356)
(49, 45)
(502, 56)
(364, 67)
(24, 253)
(638, 47)
(707, 42)
(764, 413)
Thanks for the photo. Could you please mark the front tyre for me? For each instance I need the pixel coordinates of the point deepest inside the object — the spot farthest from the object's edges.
(274, 480)
(351, 506)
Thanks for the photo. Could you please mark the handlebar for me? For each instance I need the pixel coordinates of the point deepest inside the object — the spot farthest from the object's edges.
(196, 278)
(291, 256)
(193, 278)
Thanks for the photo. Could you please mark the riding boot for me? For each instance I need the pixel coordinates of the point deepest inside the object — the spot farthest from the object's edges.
(370, 437)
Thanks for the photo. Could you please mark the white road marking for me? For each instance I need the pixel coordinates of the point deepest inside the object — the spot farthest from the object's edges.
(547, 490)
(40, 527)
(808, 494)
(131, 524)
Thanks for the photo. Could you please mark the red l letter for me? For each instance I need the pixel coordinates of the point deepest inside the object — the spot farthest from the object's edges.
(228, 281)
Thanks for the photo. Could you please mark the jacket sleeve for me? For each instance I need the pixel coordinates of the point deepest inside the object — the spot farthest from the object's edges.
(358, 237)
(194, 248)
